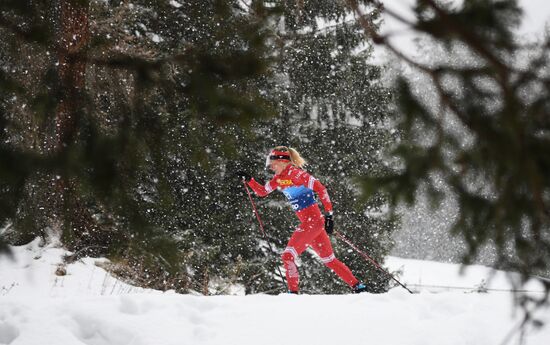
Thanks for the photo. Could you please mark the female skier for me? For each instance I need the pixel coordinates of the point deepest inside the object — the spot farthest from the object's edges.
(298, 186)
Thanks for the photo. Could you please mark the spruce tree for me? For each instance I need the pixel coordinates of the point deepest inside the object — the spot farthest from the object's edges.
(153, 72)
(331, 107)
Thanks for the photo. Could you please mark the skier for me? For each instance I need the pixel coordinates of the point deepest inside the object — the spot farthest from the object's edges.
(298, 186)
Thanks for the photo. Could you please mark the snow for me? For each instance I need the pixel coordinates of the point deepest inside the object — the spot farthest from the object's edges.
(32, 273)
(429, 276)
(175, 4)
(88, 306)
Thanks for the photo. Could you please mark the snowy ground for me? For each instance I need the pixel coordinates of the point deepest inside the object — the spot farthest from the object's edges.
(87, 306)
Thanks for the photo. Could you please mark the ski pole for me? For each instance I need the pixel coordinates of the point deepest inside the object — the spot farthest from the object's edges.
(262, 227)
(369, 259)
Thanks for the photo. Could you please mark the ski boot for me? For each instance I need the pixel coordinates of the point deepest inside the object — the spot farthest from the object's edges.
(359, 287)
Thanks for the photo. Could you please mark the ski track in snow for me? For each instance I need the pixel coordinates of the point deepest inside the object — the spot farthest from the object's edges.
(393, 318)
(38, 307)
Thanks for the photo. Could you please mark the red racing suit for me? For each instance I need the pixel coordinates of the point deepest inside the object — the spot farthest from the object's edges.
(299, 188)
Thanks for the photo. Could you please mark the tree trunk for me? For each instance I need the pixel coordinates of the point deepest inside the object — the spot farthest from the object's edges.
(72, 44)
(74, 36)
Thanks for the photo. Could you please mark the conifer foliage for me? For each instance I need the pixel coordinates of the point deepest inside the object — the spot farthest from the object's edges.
(122, 124)
(488, 140)
(332, 107)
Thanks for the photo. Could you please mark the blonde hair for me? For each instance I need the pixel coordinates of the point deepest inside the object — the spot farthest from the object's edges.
(295, 157)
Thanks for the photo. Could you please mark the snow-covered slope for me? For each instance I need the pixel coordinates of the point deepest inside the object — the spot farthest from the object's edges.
(87, 306)
(429, 276)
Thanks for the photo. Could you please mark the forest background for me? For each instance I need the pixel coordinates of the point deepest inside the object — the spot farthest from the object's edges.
(123, 123)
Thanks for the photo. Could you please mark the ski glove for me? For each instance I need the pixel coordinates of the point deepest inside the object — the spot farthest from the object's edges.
(329, 223)
(243, 175)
